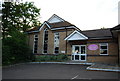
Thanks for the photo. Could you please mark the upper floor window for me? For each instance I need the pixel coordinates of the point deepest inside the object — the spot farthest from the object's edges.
(104, 49)
(35, 43)
(56, 43)
(45, 41)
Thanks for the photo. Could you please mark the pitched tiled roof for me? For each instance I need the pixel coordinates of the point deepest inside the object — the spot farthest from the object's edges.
(60, 24)
(99, 33)
(116, 27)
(54, 25)
(33, 29)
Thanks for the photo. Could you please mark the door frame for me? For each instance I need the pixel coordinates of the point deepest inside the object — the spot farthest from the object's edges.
(73, 54)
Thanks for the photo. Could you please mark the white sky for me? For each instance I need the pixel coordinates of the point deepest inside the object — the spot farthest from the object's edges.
(85, 14)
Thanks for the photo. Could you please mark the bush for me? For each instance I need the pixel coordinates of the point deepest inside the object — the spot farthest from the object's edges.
(59, 57)
(16, 50)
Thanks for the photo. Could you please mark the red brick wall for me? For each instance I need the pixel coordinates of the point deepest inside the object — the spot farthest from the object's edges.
(94, 55)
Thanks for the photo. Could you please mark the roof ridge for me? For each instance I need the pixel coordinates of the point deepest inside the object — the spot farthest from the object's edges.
(96, 29)
(56, 16)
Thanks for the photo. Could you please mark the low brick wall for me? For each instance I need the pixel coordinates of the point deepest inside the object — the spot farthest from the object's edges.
(103, 59)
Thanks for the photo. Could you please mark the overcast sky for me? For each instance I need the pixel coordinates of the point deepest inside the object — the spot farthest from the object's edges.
(85, 14)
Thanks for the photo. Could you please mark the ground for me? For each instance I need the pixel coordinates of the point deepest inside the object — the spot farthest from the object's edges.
(54, 71)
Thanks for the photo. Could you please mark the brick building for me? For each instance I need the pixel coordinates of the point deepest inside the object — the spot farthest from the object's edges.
(57, 36)
(116, 35)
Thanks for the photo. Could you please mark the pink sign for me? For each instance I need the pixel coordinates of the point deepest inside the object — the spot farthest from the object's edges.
(93, 47)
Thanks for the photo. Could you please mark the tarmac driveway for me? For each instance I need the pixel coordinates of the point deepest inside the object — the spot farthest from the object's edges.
(54, 71)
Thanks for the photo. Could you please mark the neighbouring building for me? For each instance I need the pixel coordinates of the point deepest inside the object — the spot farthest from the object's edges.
(116, 35)
(57, 36)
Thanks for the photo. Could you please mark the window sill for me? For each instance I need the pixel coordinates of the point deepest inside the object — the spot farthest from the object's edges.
(103, 54)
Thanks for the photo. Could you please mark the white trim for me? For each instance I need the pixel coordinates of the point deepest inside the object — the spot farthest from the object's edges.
(86, 63)
(64, 28)
(43, 26)
(54, 43)
(105, 49)
(43, 41)
(75, 77)
(73, 48)
(55, 16)
(78, 33)
(33, 31)
(101, 38)
(101, 69)
(34, 42)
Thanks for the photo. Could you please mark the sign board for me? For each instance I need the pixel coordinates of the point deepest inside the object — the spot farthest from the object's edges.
(62, 51)
(93, 47)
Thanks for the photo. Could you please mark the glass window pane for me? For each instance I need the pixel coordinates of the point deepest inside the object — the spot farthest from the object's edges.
(76, 57)
(56, 50)
(36, 38)
(56, 42)
(72, 57)
(82, 49)
(45, 51)
(35, 51)
(103, 47)
(82, 57)
(77, 49)
(103, 52)
(36, 35)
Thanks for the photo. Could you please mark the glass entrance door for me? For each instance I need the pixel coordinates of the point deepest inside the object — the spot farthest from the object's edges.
(79, 52)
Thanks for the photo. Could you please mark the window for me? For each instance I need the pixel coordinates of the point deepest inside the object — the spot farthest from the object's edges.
(104, 49)
(35, 43)
(83, 49)
(56, 43)
(45, 41)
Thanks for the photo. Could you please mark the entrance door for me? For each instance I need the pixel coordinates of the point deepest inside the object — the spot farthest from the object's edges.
(79, 52)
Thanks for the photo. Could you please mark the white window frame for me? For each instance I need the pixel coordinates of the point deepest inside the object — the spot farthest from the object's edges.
(34, 42)
(103, 49)
(43, 41)
(73, 48)
(54, 43)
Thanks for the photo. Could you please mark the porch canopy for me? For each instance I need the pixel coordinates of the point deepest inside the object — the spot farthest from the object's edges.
(76, 35)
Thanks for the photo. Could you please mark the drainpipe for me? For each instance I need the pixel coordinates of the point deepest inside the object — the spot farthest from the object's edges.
(118, 50)
(66, 41)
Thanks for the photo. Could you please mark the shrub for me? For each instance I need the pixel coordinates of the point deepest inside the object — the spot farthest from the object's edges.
(59, 57)
(16, 50)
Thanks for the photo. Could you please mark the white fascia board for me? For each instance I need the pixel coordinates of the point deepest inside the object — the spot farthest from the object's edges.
(40, 28)
(43, 26)
(63, 28)
(55, 16)
(82, 35)
(32, 31)
(76, 38)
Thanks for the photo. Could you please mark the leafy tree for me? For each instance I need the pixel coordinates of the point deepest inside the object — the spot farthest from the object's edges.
(19, 16)
(15, 49)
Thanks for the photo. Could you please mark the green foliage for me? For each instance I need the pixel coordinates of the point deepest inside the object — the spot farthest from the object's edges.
(59, 58)
(19, 16)
(15, 49)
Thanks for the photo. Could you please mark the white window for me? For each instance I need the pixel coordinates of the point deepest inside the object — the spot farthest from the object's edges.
(56, 43)
(35, 43)
(45, 41)
(104, 49)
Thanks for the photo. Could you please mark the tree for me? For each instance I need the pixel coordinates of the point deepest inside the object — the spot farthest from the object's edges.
(19, 16)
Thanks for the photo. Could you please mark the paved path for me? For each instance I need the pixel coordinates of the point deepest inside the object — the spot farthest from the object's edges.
(54, 71)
